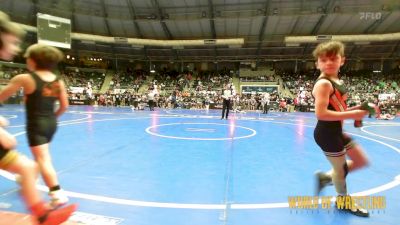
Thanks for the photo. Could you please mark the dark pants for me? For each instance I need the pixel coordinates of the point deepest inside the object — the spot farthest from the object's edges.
(151, 105)
(225, 106)
(265, 110)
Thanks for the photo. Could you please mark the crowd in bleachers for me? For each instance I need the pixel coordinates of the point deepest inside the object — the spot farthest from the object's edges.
(82, 78)
(6, 73)
(362, 86)
(382, 90)
(195, 90)
(174, 89)
(186, 100)
(212, 81)
(189, 91)
(128, 79)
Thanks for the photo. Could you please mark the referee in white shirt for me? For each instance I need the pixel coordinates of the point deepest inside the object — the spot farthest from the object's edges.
(150, 98)
(265, 101)
(227, 94)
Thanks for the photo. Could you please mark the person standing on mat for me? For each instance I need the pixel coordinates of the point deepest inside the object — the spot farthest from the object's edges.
(227, 95)
(331, 110)
(150, 99)
(42, 88)
(265, 102)
(10, 159)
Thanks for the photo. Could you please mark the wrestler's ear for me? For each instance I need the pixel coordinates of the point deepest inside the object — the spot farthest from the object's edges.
(342, 61)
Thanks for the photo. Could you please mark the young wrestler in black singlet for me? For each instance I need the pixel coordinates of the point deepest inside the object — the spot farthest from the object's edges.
(41, 120)
(10, 159)
(331, 110)
(42, 88)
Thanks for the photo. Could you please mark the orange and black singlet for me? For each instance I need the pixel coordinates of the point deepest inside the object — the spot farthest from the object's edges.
(40, 115)
(337, 102)
(329, 134)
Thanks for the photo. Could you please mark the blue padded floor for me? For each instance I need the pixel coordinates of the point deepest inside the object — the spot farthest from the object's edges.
(188, 167)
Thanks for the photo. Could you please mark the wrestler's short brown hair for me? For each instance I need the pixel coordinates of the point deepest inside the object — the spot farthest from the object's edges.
(329, 48)
(46, 57)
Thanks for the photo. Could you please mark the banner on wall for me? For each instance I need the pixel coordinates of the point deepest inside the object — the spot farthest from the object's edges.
(76, 89)
(119, 91)
(391, 96)
(251, 89)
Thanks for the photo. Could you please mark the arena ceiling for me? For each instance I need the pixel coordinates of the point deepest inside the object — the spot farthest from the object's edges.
(263, 25)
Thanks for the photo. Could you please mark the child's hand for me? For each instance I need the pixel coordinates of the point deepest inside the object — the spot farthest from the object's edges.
(7, 141)
(3, 122)
(370, 107)
(359, 114)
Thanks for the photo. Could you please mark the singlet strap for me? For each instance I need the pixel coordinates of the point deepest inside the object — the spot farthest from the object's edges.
(332, 83)
(35, 77)
(335, 99)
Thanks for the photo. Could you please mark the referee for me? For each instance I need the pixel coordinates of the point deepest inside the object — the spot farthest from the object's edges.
(227, 94)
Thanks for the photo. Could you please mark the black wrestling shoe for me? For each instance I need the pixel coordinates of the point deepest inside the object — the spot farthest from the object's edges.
(355, 210)
(322, 180)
